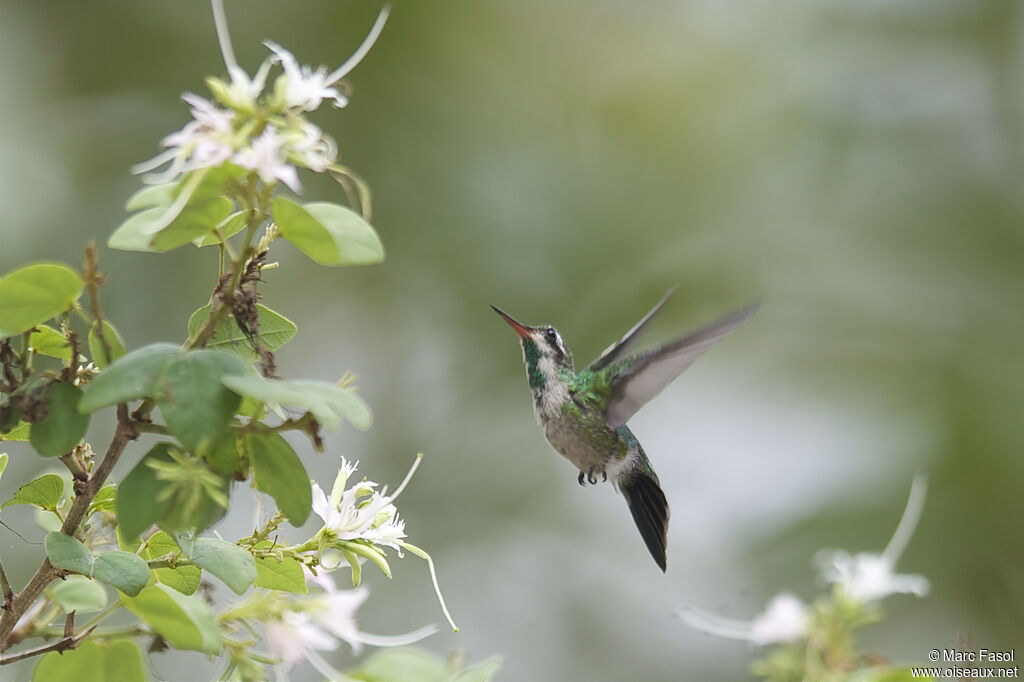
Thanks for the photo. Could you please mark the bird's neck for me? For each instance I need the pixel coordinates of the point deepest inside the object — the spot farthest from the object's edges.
(548, 381)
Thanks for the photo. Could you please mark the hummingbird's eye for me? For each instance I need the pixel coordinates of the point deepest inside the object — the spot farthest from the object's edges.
(551, 335)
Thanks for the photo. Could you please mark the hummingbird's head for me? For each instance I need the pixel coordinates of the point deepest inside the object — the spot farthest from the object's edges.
(543, 348)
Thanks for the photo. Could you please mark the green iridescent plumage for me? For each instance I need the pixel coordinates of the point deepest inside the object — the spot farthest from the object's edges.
(583, 413)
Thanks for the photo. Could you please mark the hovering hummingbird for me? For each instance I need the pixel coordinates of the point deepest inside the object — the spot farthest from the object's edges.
(584, 413)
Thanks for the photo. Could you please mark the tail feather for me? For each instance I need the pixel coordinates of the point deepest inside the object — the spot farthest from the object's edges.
(649, 507)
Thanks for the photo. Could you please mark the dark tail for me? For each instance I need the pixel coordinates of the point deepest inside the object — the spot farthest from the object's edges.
(649, 507)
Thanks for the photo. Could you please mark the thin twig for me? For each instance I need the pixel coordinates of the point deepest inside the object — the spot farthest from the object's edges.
(64, 644)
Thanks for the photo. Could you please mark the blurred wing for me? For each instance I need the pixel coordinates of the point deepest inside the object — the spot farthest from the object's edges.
(647, 374)
(620, 347)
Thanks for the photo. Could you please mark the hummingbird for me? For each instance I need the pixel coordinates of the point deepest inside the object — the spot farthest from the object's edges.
(584, 413)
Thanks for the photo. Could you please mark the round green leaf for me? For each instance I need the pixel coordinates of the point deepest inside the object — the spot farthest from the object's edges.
(35, 293)
(96, 350)
(227, 228)
(68, 553)
(50, 342)
(284, 574)
(63, 426)
(129, 378)
(184, 579)
(123, 570)
(19, 431)
(186, 622)
(328, 233)
(93, 661)
(193, 400)
(229, 562)
(44, 492)
(275, 331)
(151, 196)
(77, 593)
(278, 472)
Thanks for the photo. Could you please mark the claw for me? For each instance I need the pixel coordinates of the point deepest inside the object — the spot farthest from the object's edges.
(591, 477)
(580, 478)
(605, 474)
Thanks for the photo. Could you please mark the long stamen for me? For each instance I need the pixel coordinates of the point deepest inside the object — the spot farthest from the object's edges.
(408, 477)
(712, 624)
(220, 21)
(433, 577)
(908, 523)
(361, 51)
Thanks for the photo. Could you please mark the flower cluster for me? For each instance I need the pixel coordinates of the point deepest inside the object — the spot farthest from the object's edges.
(860, 582)
(361, 512)
(254, 127)
(361, 520)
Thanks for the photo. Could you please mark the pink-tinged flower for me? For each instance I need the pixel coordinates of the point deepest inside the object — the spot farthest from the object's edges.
(319, 622)
(204, 141)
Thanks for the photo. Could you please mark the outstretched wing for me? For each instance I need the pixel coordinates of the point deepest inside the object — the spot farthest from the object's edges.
(645, 375)
(620, 347)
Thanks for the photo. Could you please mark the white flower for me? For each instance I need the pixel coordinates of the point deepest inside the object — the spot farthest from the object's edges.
(306, 88)
(301, 86)
(319, 622)
(361, 512)
(311, 149)
(267, 155)
(204, 141)
(785, 619)
(867, 577)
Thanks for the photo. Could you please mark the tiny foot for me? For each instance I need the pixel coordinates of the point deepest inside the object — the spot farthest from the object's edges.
(580, 478)
(591, 477)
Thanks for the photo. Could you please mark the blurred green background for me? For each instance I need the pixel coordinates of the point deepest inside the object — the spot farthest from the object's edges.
(857, 165)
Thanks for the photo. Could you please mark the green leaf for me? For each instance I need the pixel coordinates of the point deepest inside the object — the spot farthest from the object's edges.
(151, 196)
(44, 492)
(49, 342)
(192, 399)
(4, 458)
(68, 553)
(327, 402)
(278, 472)
(482, 672)
(414, 665)
(227, 228)
(123, 570)
(197, 219)
(184, 579)
(185, 621)
(77, 593)
(275, 331)
(284, 574)
(224, 458)
(328, 233)
(138, 499)
(133, 376)
(35, 293)
(105, 500)
(117, 349)
(20, 431)
(143, 232)
(93, 661)
(402, 665)
(229, 562)
(63, 426)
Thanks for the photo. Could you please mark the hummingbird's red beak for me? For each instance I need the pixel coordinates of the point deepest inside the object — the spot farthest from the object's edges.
(521, 329)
